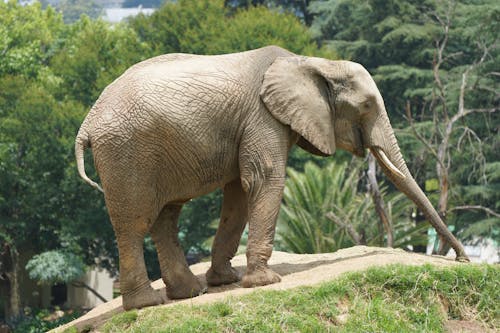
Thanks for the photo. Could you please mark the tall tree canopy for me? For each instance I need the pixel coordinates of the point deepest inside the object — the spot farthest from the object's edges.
(419, 52)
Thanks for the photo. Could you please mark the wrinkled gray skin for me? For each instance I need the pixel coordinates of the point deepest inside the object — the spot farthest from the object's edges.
(178, 126)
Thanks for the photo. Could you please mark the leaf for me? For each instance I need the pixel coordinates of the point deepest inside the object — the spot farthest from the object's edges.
(55, 267)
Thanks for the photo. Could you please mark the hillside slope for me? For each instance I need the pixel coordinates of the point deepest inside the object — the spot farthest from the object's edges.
(296, 270)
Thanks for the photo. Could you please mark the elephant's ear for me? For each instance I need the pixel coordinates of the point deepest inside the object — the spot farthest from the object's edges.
(296, 94)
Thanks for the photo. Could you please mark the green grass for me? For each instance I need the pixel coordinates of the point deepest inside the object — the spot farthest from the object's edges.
(389, 299)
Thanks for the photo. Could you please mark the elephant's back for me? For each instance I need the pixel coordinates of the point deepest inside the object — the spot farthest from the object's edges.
(179, 96)
(175, 114)
(181, 92)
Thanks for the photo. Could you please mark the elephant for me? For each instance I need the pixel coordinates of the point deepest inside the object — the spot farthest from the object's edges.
(178, 126)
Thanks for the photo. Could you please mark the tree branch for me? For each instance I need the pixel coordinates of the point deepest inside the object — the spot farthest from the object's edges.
(476, 207)
(416, 133)
(378, 200)
(356, 237)
(80, 284)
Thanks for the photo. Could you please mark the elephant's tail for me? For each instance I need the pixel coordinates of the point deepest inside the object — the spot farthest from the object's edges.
(82, 142)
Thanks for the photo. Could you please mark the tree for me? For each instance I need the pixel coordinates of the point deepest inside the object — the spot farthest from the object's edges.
(207, 27)
(325, 210)
(298, 8)
(303, 223)
(418, 52)
(43, 204)
(31, 129)
(72, 10)
(92, 55)
(52, 267)
(449, 105)
(27, 37)
(392, 39)
(143, 3)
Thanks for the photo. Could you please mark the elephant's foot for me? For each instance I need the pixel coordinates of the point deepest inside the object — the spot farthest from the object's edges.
(145, 296)
(185, 287)
(227, 275)
(260, 277)
(462, 258)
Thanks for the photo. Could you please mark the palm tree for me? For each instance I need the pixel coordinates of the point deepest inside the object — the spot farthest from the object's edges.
(303, 226)
(324, 211)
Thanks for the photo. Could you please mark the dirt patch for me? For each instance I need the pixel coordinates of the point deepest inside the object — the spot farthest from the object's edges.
(464, 326)
(295, 270)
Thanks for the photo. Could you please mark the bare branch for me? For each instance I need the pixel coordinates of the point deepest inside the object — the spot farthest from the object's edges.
(378, 200)
(468, 111)
(438, 57)
(416, 133)
(479, 158)
(80, 284)
(476, 207)
(452, 55)
(467, 131)
(356, 237)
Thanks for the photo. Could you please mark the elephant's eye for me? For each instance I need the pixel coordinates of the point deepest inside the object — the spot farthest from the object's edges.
(365, 107)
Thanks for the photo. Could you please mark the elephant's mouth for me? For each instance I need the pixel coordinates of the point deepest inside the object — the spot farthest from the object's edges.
(359, 151)
(358, 147)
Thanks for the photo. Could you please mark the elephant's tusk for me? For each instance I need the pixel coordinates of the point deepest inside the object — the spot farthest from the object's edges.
(382, 157)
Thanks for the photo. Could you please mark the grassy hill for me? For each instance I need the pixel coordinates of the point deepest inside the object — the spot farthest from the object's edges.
(393, 298)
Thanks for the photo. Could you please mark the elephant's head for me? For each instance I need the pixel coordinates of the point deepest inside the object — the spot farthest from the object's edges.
(334, 104)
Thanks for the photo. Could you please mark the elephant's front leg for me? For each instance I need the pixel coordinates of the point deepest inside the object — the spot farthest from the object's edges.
(232, 223)
(264, 207)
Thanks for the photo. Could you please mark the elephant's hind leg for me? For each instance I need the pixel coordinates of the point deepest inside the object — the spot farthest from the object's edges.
(231, 226)
(134, 282)
(178, 278)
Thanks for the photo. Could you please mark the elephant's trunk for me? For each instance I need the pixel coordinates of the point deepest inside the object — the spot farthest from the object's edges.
(380, 139)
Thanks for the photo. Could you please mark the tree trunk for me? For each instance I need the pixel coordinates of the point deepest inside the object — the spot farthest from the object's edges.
(357, 238)
(14, 304)
(442, 168)
(379, 201)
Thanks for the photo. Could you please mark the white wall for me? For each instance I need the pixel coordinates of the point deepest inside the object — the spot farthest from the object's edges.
(100, 281)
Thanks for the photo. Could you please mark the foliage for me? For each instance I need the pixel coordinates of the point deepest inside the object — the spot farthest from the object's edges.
(92, 56)
(298, 8)
(72, 10)
(207, 27)
(310, 196)
(393, 39)
(54, 266)
(28, 37)
(388, 299)
(143, 3)
(31, 129)
(38, 125)
(196, 223)
(418, 52)
(37, 321)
